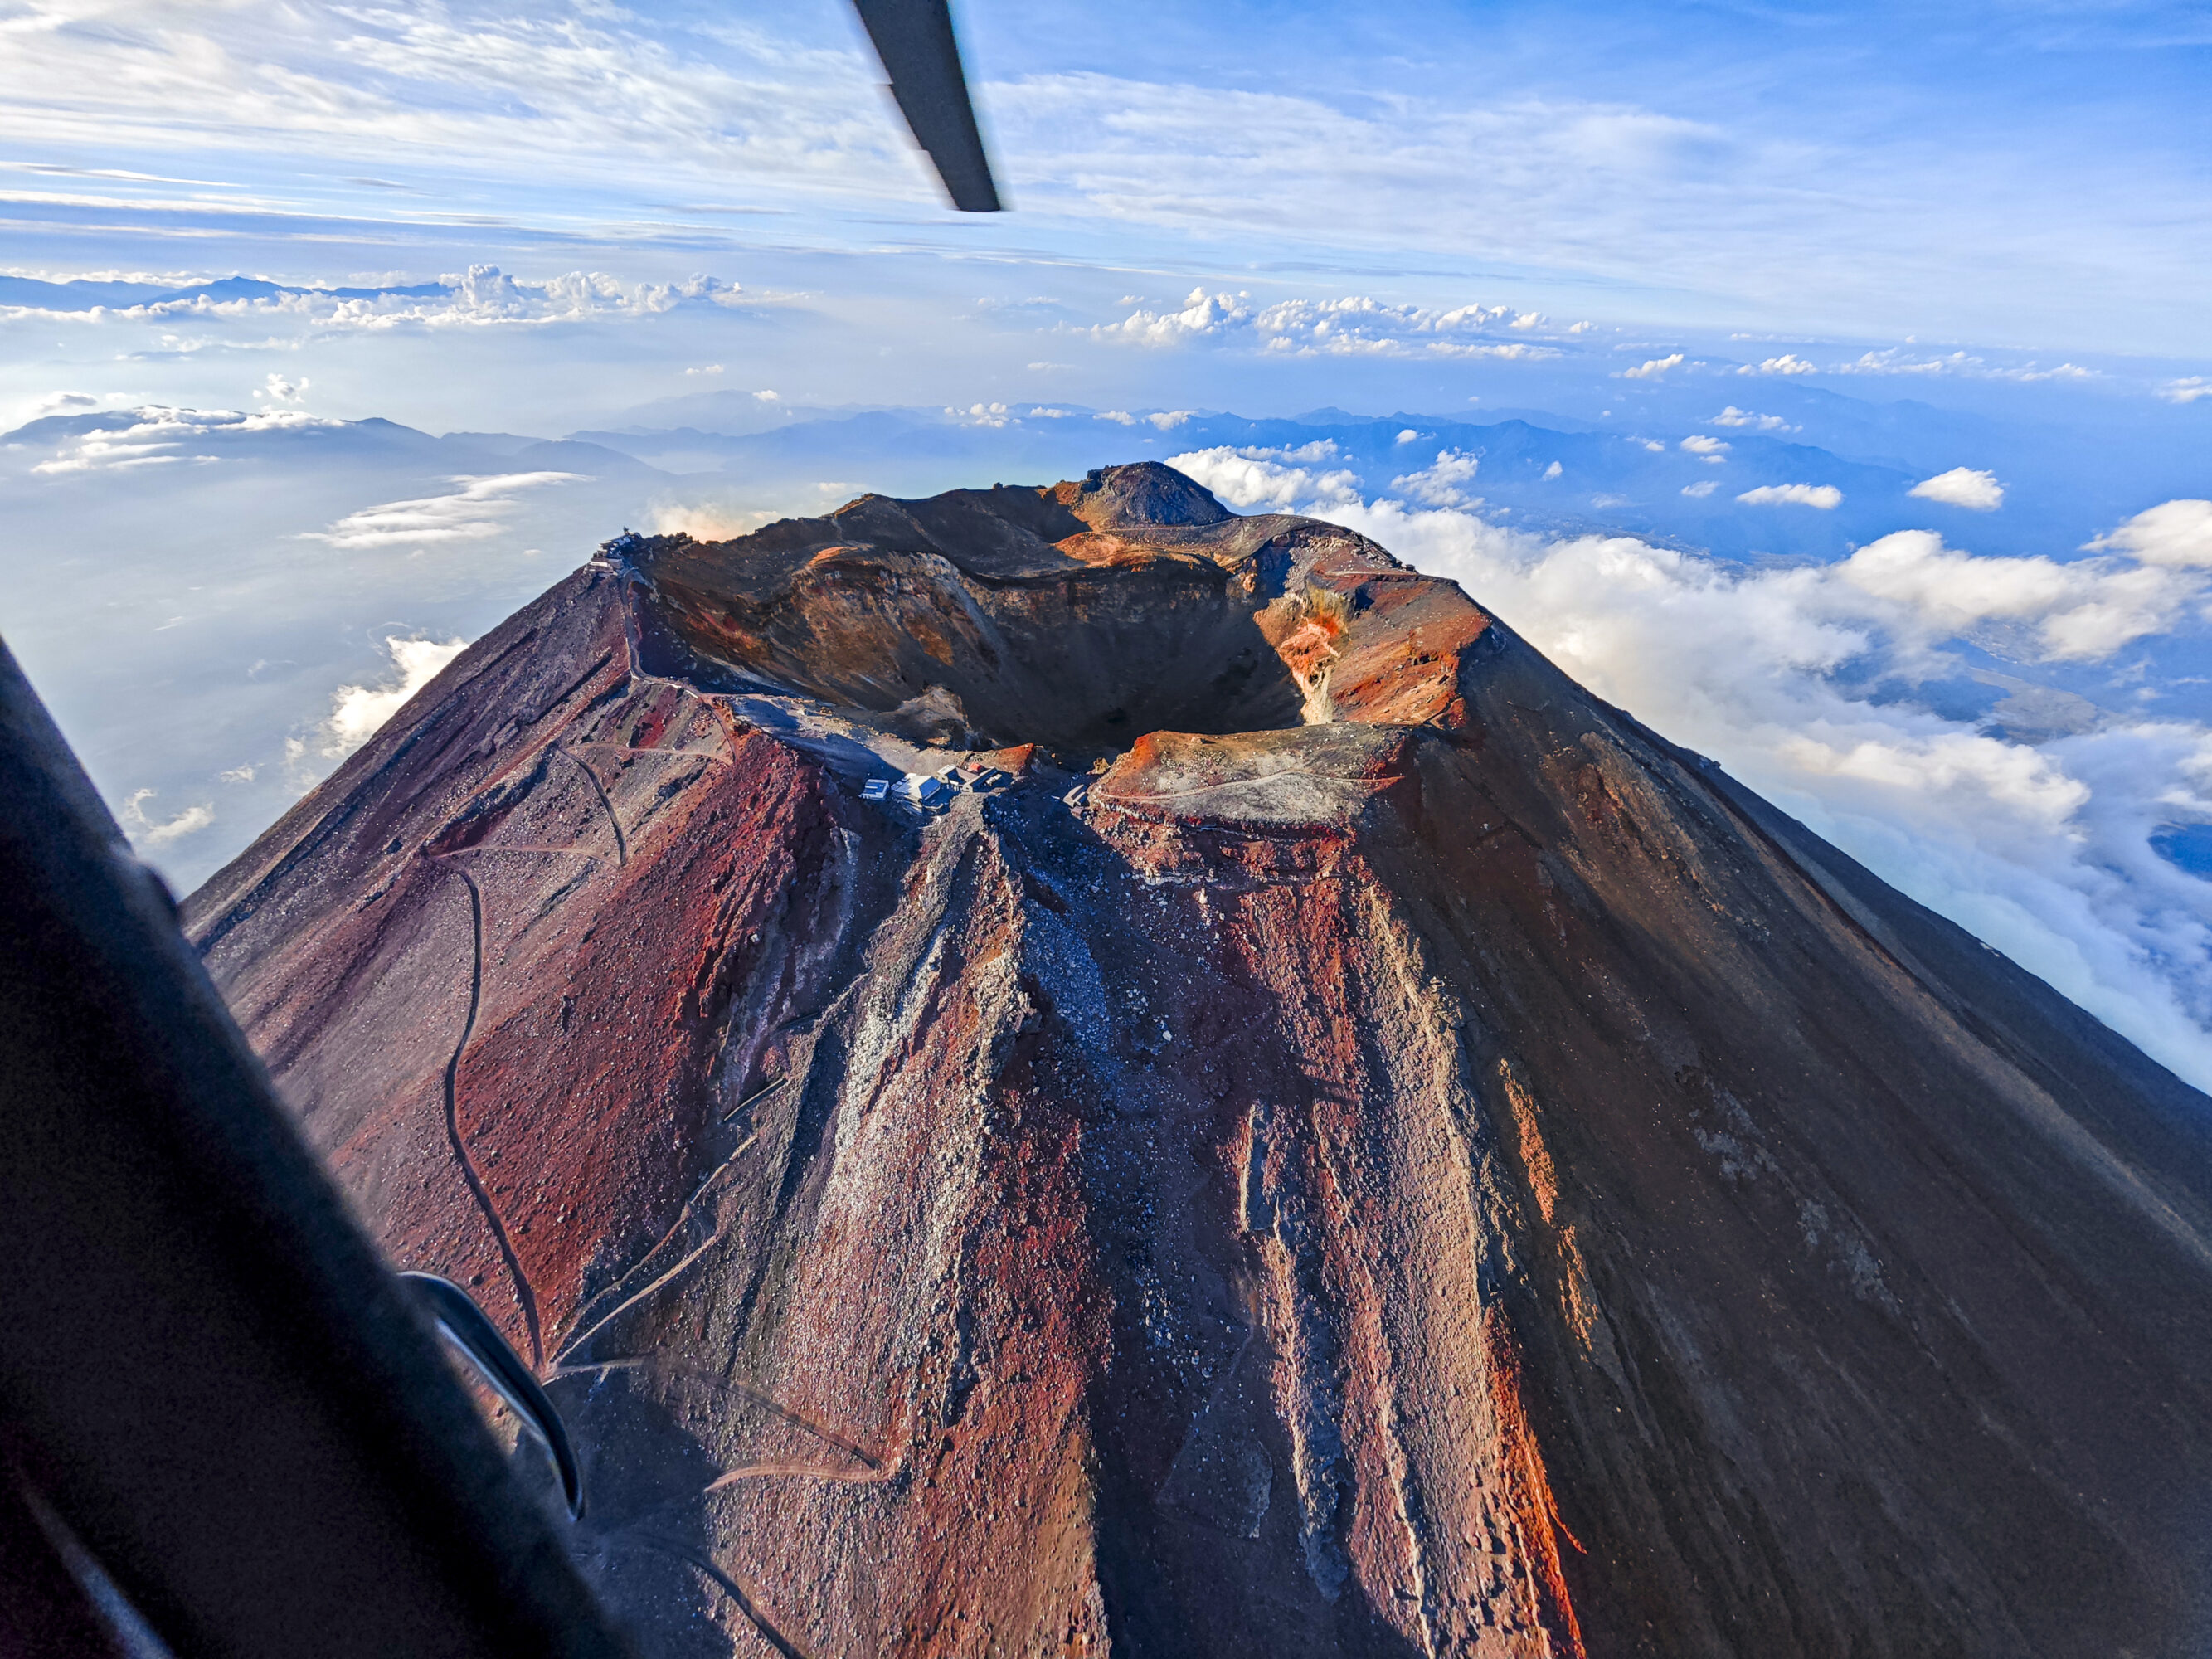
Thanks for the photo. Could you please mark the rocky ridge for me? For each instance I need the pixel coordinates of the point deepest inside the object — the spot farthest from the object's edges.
(1347, 1144)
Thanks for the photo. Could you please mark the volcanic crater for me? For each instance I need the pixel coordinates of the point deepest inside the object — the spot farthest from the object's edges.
(1334, 1140)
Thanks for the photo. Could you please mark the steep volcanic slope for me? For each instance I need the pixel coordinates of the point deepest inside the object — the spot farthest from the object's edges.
(1394, 1158)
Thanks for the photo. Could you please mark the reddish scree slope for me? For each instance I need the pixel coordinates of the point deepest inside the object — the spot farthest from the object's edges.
(1407, 1162)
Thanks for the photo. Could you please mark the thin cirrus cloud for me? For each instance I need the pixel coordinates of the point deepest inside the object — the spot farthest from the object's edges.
(477, 510)
(156, 436)
(2043, 848)
(262, 120)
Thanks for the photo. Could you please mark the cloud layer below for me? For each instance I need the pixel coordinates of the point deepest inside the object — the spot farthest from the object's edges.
(1799, 681)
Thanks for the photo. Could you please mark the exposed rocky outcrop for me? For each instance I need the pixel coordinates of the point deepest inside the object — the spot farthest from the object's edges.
(1356, 1147)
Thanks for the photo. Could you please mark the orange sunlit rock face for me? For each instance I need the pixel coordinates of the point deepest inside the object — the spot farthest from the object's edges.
(1332, 1140)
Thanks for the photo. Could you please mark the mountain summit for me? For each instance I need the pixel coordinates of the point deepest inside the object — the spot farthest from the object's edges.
(1064, 1072)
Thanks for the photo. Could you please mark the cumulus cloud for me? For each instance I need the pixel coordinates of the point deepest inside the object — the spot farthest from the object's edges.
(358, 712)
(1353, 326)
(1251, 479)
(146, 831)
(1653, 368)
(2081, 612)
(2187, 389)
(1827, 497)
(1321, 449)
(482, 296)
(477, 509)
(2178, 534)
(2041, 848)
(1703, 488)
(1962, 487)
(1788, 363)
(1443, 483)
(1896, 360)
(277, 389)
(1698, 444)
(983, 415)
(1733, 417)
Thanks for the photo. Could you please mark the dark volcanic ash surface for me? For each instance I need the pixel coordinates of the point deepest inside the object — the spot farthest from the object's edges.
(1343, 1143)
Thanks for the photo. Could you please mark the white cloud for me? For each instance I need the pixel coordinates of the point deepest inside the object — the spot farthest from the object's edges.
(1703, 488)
(1442, 482)
(2042, 848)
(146, 832)
(705, 369)
(1698, 444)
(1788, 363)
(1733, 417)
(237, 774)
(1408, 436)
(276, 389)
(1962, 487)
(162, 436)
(357, 712)
(1246, 480)
(2177, 534)
(1896, 360)
(766, 397)
(710, 520)
(475, 511)
(982, 414)
(1827, 497)
(481, 297)
(1353, 326)
(1654, 369)
(1167, 420)
(2187, 389)
(2039, 609)
(1553, 470)
(637, 109)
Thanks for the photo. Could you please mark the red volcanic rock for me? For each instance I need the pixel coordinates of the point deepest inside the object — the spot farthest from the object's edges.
(1340, 1144)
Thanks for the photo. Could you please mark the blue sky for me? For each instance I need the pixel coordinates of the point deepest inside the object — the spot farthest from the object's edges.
(1829, 385)
(2025, 175)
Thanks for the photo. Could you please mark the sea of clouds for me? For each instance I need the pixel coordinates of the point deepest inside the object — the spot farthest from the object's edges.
(1791, 678)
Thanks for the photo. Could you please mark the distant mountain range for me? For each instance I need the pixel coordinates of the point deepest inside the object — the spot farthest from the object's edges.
(86, 295)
